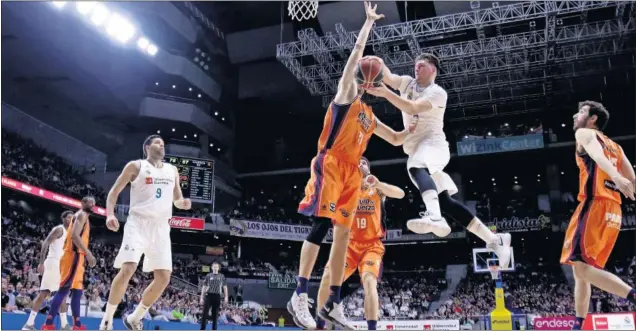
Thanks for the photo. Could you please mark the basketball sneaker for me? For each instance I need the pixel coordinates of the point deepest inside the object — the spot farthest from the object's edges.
(298, 307)
(130, 325)
(428, 223)
(105, 326)
(47, 327)
(334, 313)
(501, 247)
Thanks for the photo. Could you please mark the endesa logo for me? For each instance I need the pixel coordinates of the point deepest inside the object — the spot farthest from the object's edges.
(554, 323)
(601, 323)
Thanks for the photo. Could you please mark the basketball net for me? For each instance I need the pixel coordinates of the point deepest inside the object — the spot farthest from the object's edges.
(302, 9)
(494, 271)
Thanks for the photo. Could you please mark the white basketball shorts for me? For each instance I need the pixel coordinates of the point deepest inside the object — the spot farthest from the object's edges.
(435, 159)
(150, 238)
(51, 277)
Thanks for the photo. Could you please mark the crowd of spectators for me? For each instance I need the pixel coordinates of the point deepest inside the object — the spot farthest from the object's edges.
(403, 296)
(23, 160)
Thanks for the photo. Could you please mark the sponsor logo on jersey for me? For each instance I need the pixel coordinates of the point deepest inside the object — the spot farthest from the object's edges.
(364, 120)
(344, 213)
(332, 207)
(148, 180)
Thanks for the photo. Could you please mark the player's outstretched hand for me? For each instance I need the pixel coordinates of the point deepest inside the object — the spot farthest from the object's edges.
(92, 262)
(380, 91)
(625, 186)
(112, 223)
(371, 14)
(371, 180)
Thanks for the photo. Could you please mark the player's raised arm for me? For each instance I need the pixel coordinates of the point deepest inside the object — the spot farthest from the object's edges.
(389, 190)
(179, 201)
(391, 136)
(436, 97)
(587, 139)
(130, 172)
(347, 87)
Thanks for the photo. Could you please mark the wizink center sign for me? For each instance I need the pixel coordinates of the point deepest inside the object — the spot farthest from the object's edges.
(498, 145)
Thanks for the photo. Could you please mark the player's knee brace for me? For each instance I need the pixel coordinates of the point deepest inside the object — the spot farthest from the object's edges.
(422, 177)
(455, 209)
(319, 231)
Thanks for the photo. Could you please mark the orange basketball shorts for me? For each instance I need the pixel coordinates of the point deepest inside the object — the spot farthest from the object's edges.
(365, 257)
(592, 232)
(333, 189)
(72, 270)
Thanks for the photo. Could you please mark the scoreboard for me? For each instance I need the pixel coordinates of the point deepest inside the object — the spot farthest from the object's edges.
(196, 177)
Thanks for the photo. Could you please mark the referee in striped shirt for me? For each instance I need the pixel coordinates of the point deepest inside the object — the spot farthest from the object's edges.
(213, 286)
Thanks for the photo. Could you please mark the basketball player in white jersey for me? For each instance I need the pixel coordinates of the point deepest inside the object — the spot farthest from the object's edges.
(154, 188)
(49, 268)
(422, 100)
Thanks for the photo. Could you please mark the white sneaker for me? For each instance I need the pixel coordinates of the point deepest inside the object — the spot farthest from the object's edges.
(334, 313)
(501, 247)
(298, 307)
(426, 224)
(29, 327)
(105, 326)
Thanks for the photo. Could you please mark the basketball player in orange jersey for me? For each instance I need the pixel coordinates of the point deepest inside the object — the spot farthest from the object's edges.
(605, 171)
(331, 195)
(365, 249)
(76, 252)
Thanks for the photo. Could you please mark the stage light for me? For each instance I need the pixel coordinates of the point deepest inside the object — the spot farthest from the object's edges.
(216, 113)
(85, 7)
(195, 135)
(211, 145)
(152, 50)
(172, 129)
(143, 43)
(59, 4)
(100, 14)
(120, 28)
(199, 95)
(158, 131)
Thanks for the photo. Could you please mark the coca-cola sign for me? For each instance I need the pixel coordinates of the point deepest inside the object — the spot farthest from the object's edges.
(521, 224)
(554, 323)
(187, 223)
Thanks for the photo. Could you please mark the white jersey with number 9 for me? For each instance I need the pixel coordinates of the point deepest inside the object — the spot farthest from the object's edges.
(151, 193)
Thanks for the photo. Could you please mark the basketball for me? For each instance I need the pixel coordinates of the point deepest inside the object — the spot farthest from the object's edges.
(369, 72)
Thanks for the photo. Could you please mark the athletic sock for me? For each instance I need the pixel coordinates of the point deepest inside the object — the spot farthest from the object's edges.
(578, 323)
(63, 319)
(334, 294)
(432, 204)
(32, 317)
(372, 325)
(302, 286)
(110, 312)
(76, 298)
(139, 313)
(482, 231)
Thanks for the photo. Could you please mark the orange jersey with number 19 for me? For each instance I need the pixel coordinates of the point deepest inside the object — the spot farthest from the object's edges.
(368, 218)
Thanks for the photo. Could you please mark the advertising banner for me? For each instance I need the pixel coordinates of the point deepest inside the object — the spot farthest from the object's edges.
(520, 224)
(186, 223)
(554, 323)
(281, 282)
(410, 325)
(498, 145)
(265, 230)
(615, 321)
